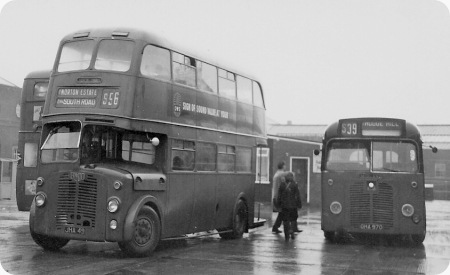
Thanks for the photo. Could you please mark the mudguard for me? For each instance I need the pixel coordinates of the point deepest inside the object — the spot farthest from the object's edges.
(133, 211)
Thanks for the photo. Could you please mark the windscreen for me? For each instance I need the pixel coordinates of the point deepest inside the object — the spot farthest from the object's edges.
(61, 143)
(394, 157)
(379, 156)
(348, 155)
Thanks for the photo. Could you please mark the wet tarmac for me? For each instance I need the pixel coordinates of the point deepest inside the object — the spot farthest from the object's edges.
(259, 252)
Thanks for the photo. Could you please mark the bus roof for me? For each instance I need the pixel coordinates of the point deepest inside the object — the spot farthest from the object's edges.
(150, 38)
(39, 74)
(411, 131)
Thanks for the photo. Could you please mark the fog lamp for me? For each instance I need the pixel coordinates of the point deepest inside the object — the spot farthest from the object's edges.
(330, 182)
(117, 185)
(113, 224)
(113, 205)
(414, 184)
(407, 210)
(40, 181)
(40, 199)
(416, 218)
(335, 207)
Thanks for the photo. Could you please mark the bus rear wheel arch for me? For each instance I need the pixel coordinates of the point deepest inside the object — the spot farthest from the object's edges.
(239, 221)
(146, 234)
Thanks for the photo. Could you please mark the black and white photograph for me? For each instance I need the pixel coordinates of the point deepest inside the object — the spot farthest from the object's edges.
(225, 137)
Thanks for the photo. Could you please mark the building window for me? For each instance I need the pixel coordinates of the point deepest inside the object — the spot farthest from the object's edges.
(262, 165)
(440, 170)
(15, 152)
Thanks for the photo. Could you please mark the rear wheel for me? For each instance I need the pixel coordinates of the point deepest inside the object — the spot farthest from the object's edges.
(146, 236)
(240, 219)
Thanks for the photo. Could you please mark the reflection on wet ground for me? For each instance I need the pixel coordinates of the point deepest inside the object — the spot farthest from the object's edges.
(260, 252)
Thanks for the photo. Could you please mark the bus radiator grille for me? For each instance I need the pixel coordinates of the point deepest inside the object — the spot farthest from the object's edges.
(383, 206)
(77, 202)
(374, 208)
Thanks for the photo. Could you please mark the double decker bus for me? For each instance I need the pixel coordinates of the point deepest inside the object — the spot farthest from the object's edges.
(373, 179)
(34, 90)
(143, 141)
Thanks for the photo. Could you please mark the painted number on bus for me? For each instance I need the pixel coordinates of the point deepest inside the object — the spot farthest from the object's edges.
(349, 129)
(110, 99)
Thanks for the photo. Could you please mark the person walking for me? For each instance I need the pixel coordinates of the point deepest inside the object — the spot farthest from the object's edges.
(289, 201)
(277, 178)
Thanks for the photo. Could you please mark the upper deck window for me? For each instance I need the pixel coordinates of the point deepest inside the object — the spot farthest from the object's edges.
(244, 89)
(227, 84)
(156, 62)
(207, 77)
(183, 69)
(40, 90)
(257, 95)
(76, 55)
(114, 55)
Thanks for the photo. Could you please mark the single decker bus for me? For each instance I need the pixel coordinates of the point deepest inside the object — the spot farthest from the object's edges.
(34, 90)
(373, 179)
(144, 141)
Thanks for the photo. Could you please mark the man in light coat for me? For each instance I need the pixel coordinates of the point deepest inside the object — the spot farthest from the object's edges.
(277, 179)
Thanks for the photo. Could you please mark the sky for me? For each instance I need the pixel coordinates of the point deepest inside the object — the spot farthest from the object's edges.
(317, 60)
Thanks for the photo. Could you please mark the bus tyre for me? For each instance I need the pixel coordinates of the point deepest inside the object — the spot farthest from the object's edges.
(48, 243)
(418, 238)
(240, 219)
(146, 236)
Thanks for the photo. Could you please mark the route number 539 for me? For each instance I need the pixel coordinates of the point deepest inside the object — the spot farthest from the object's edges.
(349, 128)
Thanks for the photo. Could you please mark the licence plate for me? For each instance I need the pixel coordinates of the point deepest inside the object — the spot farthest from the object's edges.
(74, 230)
(371, 226)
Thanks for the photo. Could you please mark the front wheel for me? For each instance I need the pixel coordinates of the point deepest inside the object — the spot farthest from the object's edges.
(240, 219)
(146, 236)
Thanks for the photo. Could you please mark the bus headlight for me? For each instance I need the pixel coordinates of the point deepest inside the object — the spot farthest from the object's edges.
(117, 185)
(414, 184)
(407, 210)
(40, 181)
(40, 199)
(113, 205)
(335, 207)
(330, 182)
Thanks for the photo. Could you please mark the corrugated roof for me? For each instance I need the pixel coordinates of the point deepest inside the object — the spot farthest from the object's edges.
(433, 134)
(6, 82)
